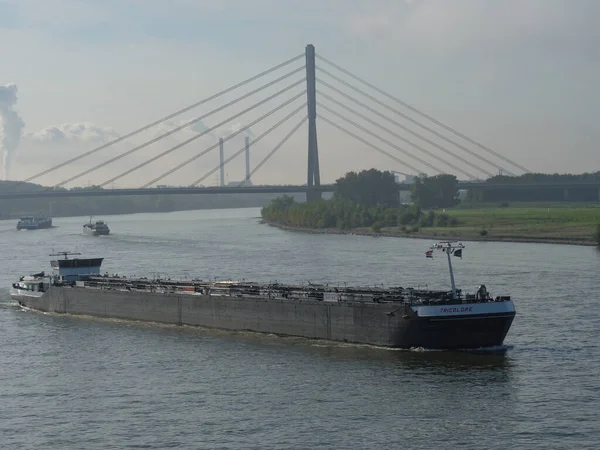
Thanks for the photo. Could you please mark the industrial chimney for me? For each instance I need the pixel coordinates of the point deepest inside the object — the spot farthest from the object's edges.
(247, 181)
(222, 161)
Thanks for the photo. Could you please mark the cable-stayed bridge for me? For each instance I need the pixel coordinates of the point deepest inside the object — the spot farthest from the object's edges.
(307, 91)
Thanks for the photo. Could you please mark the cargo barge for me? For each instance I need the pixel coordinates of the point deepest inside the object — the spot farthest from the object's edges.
(34, 223)
(390, 317)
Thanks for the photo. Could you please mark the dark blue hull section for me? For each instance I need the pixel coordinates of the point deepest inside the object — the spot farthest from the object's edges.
(459, 332)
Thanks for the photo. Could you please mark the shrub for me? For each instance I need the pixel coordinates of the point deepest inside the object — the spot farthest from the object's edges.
(443, 220)
(407, 218)
(483, 232)
(427, 220)
(376, 227)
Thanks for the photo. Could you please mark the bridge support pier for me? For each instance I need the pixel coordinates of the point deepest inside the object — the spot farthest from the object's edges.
(312, 195)
(314, 178)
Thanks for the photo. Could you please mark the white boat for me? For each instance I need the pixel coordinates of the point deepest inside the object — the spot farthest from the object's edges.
(97, 228)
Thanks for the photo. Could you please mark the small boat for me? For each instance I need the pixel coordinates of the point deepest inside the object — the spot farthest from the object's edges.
(34, 223)
(97, 228)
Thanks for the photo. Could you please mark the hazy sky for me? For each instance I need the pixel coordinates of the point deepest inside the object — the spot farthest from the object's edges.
(520, 76)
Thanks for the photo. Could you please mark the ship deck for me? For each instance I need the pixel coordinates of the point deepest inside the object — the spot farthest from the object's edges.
(321, 292)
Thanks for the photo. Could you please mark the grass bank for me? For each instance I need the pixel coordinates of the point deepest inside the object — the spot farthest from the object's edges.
(553, 222)
(560, 223)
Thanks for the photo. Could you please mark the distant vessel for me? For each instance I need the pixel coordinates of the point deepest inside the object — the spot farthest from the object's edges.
(34, 223)
(389, 317)
(97, 228)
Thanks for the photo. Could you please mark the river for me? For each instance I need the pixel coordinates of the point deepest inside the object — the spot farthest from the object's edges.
(80, 383)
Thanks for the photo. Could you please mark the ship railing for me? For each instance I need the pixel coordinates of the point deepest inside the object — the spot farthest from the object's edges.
(234, 289)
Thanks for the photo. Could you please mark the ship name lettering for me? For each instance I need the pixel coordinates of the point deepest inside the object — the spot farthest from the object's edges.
(457, 309)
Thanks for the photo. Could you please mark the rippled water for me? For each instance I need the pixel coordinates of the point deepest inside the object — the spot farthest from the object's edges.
(77, 383)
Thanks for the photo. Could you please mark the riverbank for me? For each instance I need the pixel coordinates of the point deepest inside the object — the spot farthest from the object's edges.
(437, 234)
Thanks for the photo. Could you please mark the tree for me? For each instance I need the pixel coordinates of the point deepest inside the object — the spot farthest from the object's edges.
(440, 191)
(283, 202)
(369, 188)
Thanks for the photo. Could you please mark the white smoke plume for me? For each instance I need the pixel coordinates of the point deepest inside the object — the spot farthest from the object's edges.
(170, 125)
(224, 132)
(75, 132)
(11, 125)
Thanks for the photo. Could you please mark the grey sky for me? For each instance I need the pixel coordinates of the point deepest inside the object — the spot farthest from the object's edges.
(519, 76)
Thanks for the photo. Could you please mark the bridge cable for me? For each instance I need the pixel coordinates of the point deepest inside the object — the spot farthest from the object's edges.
(425, 127)
(170, 116)
(488, 161)
(252, 142)
(365, 130)
(169, 133)
(212, 147)
(225, 139)
(431, 130)
(272, 152)
(422, 114)
(396, 135)
(374, 111)
(208, 130)
(370, 144)
(231, 136)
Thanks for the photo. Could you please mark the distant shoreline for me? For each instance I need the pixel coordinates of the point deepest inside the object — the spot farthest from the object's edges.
(358, 232)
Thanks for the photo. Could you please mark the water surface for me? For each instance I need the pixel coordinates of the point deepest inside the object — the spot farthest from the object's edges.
(74, 383)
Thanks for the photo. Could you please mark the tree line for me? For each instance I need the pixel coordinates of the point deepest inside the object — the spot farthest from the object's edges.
(543, 194)
(529, 178)
(367, 199)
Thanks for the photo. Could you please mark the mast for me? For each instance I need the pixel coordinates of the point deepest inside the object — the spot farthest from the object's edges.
(449, 248)
(451, 272)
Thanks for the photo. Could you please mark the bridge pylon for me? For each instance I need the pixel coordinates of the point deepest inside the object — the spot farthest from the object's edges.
(314, 178)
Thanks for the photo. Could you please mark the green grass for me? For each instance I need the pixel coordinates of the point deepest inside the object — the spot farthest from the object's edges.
(552, 222)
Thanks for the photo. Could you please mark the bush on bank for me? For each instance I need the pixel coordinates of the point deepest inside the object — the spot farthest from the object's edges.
(345, 214)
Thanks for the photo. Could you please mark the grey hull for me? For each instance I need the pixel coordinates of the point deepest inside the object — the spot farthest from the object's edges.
(381, 324)
(96, 232)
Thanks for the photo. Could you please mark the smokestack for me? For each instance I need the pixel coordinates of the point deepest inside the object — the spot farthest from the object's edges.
(11, 125)
(247, 179)
(222, 159)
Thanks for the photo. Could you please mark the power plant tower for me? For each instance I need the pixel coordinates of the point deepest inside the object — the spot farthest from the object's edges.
(247, 181)
(222, 160)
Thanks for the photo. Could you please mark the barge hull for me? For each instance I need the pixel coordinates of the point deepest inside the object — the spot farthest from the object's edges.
(381, 324)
